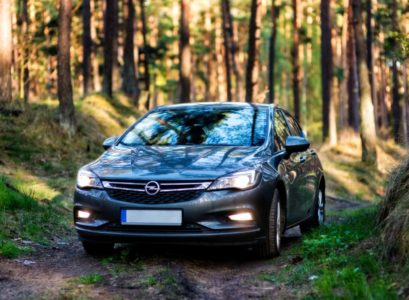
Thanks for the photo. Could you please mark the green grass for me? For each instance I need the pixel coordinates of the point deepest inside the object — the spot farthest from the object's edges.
(25, 217)
(337, 264)
(89, 279)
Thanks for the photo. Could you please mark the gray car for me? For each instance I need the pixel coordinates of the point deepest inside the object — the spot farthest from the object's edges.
(207, 174)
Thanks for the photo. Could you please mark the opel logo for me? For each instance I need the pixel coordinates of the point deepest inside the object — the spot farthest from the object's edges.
(152, 188)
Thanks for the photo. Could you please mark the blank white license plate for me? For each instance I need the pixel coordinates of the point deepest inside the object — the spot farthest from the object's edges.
(151, 217)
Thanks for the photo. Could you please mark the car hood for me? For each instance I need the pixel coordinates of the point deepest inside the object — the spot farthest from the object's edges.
(173, 162)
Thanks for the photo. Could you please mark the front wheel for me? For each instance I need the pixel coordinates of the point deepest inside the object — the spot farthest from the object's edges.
(271, 246)
(318, 217)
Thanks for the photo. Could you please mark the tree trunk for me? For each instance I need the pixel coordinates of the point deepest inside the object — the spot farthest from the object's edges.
(295, 61)
(95, 46)
(147, 75)
(110, 42)
(129, 79)
(343, 87)
(67, 113)
(328, 127)
(252, 71)
(367, 119)
(233, 49)
(395, 79)
(353, 88)
(184, 52)
(271, 52)
(370, 56)
(227, 47)
(405, 124)
(86, 46)
(211, 74)
(26, 51)
(6, 46)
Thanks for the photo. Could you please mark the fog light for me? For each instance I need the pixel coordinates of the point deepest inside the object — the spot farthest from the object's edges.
(246, 216)
(82, 214)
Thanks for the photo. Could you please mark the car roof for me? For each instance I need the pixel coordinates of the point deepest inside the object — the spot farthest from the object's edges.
(213, 104)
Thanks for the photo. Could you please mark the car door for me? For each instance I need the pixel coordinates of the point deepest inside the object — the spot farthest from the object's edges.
(305, 170)
(287, 167)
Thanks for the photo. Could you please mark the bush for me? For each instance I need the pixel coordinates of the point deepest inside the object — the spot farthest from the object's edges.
(394, 215)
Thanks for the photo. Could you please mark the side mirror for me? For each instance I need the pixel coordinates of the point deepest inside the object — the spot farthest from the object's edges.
(109, 142)
(296, 144)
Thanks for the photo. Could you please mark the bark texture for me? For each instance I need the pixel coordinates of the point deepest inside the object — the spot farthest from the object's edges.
(353, 88)
(26, 51)
(185, 64)
(6, 55)
(227, 47)
(67, 113)
(110, 43)
(271, 52)
(129, 75)
(86, 46)
(329, 132)
(252, 71)
(366, 109)
(296, 60)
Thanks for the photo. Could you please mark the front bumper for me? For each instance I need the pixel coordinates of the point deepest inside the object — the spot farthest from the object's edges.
(205, 219)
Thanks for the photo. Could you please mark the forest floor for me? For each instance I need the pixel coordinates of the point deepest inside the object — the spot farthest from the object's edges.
(63, 270)
(40, 256)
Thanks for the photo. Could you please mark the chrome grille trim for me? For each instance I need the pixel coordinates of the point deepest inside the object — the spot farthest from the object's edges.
(140, 187)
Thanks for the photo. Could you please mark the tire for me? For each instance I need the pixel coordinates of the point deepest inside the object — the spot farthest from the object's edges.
(271, 246)
(318, 218)
(98, 249)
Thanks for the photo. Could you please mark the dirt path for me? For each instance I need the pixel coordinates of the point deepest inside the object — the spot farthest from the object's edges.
(141, 273)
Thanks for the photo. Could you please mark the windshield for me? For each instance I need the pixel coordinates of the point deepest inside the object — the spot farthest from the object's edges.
(238, 126)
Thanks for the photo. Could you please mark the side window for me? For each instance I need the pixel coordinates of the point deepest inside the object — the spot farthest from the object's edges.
(294, 127)
(281, 131)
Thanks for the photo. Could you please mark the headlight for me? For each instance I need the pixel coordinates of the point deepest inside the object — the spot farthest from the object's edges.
(87, 179)
(240, 180)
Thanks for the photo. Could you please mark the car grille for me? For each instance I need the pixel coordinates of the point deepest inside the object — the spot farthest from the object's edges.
(170, 192)
(161, 198)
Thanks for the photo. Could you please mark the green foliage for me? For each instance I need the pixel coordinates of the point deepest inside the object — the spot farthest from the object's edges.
(337, 264)
(11, 199)
(11, 250)
(89, 279)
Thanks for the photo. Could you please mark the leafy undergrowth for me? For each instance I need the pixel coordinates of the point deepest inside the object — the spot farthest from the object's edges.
(39, 161)
(348, 177)
(340, 261)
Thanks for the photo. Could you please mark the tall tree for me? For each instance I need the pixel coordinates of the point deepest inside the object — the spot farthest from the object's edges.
(129, 75)
(185, 64)
(6, 46)
(296, 60)
(227, 47)
(145, 62)
(329, 131)
(26, 51)
(352, 73)
(86, 46)
(271, 52)
(405, 107)
(370, 51)
(366, 109)
(110, 43)
(67, 113)
(234, 49)
(395, 77)
(252, 70)
(95, 46)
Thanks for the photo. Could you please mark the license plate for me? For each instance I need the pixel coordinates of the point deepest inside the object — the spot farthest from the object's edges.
(151, 217)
